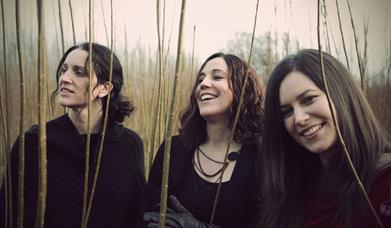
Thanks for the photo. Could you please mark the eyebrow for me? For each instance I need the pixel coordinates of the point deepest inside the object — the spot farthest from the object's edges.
(301, 95)
(213, 71)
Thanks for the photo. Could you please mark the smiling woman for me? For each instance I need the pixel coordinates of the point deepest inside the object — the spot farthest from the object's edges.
(120, 183)
(305, 177)
(198, 153)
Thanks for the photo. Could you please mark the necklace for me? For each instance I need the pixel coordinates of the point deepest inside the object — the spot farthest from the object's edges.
(232, 156)
(202, 171)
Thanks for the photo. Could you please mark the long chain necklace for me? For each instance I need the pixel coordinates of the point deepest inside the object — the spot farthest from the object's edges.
(232, 156)
(201, 170)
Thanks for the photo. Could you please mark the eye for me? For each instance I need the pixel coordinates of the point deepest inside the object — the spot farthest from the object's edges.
(63, 68)
(286, 111)
(80, 71)
(200, 78)
(309, 99)
(218, 77)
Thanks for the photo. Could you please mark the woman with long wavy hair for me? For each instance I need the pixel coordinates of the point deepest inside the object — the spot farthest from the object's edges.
(197, 154)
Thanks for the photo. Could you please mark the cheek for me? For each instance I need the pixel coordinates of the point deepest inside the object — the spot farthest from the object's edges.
(289, 126)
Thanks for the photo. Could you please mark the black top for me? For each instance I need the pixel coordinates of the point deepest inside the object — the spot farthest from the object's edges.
(236, 206)
(120, 185)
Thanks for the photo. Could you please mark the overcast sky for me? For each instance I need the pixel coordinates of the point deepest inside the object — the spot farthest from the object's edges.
(216, 22)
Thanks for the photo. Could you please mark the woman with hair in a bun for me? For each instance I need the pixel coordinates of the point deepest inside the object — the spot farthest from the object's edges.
(121, 181)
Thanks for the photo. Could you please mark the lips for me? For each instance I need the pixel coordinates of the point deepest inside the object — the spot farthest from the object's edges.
(310, 131)
(65, 90)
(207, 96)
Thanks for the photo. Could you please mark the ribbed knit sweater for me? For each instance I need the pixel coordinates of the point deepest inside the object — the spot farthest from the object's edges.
(120, 186)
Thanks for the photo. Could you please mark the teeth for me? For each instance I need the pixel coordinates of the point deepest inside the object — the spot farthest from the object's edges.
(65, 89)
(207, 97)
(312, 130)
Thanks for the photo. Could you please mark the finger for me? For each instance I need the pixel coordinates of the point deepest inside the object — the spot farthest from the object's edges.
(153, 225)
(173, 220)
(151, 217)
(168, 209)
(177, 206)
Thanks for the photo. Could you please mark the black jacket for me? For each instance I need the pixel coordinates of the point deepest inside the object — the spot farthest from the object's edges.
(120, 185)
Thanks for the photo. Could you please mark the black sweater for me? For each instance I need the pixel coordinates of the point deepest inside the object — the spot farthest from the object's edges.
(236, 207)
(119, 188)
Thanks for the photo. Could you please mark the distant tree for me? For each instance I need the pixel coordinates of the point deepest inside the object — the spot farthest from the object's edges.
(265, 52)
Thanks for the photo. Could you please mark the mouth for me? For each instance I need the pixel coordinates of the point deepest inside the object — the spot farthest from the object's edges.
(207, 97)
(65, 90)
(307, 133)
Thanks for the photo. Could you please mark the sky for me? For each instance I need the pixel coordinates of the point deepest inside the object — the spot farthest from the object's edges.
(216, 22)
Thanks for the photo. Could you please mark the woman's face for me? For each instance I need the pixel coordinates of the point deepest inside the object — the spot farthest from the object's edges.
(73, 81)
(306, 113)
(213, 93)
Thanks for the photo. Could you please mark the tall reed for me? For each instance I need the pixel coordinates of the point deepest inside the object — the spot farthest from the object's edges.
(6, 134)
(42, 110)
(88, 141)
(21, 120)
(104, 126)
(158, 99)
(362, 76)
(346, 153)
(61, 26)
(342, 36)
(237, 114)
(72, 22)
(168, 133)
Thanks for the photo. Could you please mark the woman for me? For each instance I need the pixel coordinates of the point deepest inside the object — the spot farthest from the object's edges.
(121, 181)
(197, 154)
(306, 179)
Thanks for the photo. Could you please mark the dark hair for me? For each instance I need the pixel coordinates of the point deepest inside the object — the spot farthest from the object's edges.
(120, 106)
(193, 125)
(285, 165)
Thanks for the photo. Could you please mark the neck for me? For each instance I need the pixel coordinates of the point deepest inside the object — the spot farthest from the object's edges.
(79, 118)
(218, 136)
(326, 155)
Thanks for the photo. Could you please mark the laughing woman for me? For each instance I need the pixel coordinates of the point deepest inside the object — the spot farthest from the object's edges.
(121, 180)
(306, 179)
(197, 154)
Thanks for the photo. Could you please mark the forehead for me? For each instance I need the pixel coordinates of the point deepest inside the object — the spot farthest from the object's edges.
(77, 57)
(294, 84)
(215, 64)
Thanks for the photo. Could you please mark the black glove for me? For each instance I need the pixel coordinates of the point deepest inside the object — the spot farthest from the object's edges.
(178, 217)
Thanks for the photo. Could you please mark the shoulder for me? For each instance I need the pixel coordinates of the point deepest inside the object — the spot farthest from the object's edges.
(384, 161)
(51, 126)
(131, 135)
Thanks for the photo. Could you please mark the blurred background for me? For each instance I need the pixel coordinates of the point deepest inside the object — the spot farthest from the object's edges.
(352, 30)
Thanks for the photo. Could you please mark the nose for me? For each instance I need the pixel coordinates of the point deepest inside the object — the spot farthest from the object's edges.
(301, 117)
(205, 83)
(65, 77)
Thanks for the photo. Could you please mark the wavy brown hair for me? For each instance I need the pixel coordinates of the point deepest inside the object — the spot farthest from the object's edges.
(249, 128)
(285, 166)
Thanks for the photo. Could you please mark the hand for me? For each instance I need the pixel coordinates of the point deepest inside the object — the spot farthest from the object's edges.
(178, 217)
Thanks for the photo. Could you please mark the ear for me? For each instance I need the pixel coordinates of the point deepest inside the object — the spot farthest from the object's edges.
(104, 89)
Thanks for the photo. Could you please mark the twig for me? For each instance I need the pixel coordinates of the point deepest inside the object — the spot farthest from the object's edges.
(42, 180)
(88, 141)
(242, 91)
(346, 153)
(167, 148)
(356, 45)
(103, 133)
(342, 36)
(21, 122)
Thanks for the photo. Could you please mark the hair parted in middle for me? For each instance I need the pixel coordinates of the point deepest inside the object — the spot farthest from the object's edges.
(285, 164)
(248, 129)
